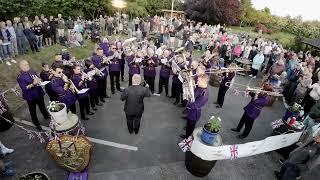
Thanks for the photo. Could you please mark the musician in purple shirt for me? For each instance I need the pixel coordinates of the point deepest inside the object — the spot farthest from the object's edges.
(45, 75)
(83, 99)
(193, 109)
(165, 71)
(105, 46)
(176, 83)
(121, 59)
(98, 62)
(92, 84)
(29, 83)
(114, 68)
(134, 64)
(226, 78)
(150, 62)
(60, 85)
(251, 112)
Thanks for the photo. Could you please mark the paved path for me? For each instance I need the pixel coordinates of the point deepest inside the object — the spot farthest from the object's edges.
(157, 155)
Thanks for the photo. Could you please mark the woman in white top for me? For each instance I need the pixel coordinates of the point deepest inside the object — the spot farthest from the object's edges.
(313, 97)
(256, 64)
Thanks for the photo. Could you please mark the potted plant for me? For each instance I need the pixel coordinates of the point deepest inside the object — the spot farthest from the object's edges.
(292, 111)
(58, 111)
(210, 130)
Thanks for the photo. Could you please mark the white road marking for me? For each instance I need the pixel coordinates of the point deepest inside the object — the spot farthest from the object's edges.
(97, 141)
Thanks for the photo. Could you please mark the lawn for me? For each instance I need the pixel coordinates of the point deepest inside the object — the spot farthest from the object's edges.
(284, 38)
(8, 74)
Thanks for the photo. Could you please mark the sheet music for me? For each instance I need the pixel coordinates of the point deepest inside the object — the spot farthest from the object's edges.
(164, 61)
(44, 83)
(138, 60)
(91, 73)
(82, 91)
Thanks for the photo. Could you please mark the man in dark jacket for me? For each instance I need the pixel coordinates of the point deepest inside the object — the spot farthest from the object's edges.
(134, 106)
(303, 161)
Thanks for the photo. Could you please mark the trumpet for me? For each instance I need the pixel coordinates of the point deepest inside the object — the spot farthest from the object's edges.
(99, 72)
(258, 90)
(224, 70)
(72, 87)
(39, 80)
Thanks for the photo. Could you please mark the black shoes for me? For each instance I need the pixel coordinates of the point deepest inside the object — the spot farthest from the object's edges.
(120, 90)
(102, 100)
(175, 103)
(99, 104)
(94, 108)
(218, 106)
(234, 129)
(39, 128)
(112, 92)
(241, 136)
(85, 119)
(277, 174)
(183, 136)
(90, 113)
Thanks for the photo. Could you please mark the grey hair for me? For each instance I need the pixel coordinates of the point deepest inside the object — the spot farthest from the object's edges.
(136, 79)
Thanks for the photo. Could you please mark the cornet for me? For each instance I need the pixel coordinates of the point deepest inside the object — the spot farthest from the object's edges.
(72, 87)
(39, 81)
(99, 72)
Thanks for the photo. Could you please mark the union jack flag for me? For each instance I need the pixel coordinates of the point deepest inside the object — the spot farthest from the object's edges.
(234, 152)
(277, 123)
(185, 144)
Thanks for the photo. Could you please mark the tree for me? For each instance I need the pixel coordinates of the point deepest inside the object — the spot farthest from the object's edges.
(229, 11)
(202, 10)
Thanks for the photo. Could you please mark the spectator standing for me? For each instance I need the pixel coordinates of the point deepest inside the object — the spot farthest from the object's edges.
(13, 38)
(38, 31)
(53, 28)
(70, 26)
(47, 32)
(21, 42)
(31, 38)
(60, 25)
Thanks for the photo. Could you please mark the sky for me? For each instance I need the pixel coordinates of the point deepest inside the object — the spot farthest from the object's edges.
(308, 9)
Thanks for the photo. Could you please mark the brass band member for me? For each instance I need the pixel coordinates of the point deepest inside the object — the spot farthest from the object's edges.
(99, 63)
(134, 63)
(114, 68)
(150, 63)
(80, 83)
(29, 83)
(61, 86)
(165, 71)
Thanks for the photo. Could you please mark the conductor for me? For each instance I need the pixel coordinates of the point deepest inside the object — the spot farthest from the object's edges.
(134, 107)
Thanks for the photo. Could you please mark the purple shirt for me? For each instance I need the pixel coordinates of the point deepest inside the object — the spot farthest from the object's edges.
(134, 68)
(64, 96)
(114, 66)
(93, 83)
(25, 79)
(193, 110)
(226, 79)
(254, 107)
(76, 79)
(150, 69)
(105, 48)
(97, 62)
(165, 70)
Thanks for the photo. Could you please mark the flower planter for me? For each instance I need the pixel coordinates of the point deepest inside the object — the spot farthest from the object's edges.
(65, 121)
(289, 114)
(207, 136)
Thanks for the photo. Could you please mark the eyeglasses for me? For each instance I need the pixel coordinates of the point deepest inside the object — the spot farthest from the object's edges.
(60, 72)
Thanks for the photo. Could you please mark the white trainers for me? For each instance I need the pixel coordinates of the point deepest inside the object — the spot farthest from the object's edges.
(250, 75)
(8, 63)
(254, 76)
(13, 61)
(5, 150)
